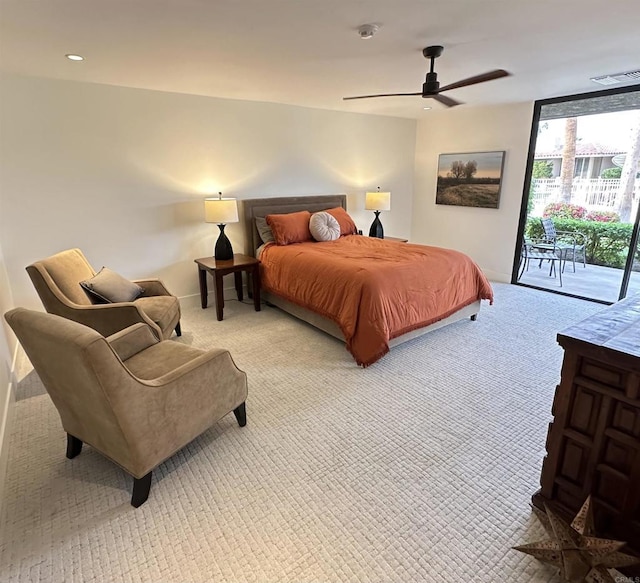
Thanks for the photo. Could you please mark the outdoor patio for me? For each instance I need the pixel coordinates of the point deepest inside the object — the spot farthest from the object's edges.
(592, 281)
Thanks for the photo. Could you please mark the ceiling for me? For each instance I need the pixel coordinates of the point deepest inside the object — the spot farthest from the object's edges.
(308, 52)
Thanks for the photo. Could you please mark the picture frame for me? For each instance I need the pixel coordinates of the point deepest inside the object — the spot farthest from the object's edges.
(470, 179)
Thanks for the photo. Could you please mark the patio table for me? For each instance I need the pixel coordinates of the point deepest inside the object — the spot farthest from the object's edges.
(561, 250)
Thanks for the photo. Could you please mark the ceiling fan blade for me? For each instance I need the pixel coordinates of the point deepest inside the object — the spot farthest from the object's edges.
(490, 76)
(446, 100)
(381, 95)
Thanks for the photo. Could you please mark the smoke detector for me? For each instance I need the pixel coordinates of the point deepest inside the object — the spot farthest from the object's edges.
(368, 30)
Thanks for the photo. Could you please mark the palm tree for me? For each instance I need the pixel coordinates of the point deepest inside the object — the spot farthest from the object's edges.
(568, 158)
(628, 176)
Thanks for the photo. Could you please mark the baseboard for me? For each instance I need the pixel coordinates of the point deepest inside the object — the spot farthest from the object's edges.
(189, 296)
(6, 418)
(497, 276)
(228, 291)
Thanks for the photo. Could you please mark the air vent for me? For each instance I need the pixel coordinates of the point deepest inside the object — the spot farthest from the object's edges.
(617, 78)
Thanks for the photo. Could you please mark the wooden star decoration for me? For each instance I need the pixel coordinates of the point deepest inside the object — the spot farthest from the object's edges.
(579, 555)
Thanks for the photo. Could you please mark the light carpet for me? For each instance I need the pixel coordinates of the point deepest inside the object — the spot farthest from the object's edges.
(418, 468)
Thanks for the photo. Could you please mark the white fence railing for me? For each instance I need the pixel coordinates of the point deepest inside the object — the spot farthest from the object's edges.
(595, 194)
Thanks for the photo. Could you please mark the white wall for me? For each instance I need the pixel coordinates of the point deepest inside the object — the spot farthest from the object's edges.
(487, 235)
(122, 173)
(7, 350)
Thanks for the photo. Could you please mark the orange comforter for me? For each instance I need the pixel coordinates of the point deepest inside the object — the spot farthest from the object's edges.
(373, 289)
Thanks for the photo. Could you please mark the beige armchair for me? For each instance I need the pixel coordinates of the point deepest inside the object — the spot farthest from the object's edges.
(57, 281)
(135, 399)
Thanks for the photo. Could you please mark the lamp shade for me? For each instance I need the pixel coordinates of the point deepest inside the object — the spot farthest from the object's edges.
(378, 201)
(220, 210)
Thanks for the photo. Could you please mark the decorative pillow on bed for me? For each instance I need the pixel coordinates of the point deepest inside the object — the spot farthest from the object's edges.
(264, 230)
(108, 286)
(290, 228)
(347, 226)
(324, 227)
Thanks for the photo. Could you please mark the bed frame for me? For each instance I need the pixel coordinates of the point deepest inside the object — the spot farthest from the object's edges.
(261, 207)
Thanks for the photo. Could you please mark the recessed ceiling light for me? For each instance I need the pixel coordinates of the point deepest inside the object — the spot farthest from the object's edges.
(426, 108)
(75, 57)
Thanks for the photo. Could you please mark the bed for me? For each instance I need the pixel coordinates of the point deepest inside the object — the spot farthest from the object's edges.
(365, 310)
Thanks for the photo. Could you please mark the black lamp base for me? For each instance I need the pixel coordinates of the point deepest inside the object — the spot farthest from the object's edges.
(376, 229)
(223, 250)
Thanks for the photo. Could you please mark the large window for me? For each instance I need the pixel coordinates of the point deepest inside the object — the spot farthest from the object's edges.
(582, 196)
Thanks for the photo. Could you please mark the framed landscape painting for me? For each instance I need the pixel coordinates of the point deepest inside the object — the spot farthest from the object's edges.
(470, 179)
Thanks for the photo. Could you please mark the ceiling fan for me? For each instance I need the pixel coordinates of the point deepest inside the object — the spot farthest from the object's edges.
(431, 86)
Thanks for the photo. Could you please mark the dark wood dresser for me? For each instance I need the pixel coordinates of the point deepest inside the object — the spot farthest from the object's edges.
(593, 444)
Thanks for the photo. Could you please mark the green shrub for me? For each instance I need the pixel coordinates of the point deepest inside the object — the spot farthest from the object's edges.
(542, 169)
(607, 243)
(614, 172)
(532, 192)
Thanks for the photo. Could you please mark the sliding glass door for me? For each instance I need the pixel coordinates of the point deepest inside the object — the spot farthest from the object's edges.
(582, 195)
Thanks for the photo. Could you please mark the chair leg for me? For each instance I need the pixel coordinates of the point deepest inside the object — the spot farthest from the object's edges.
(474, 317)
(560, 274)
(525, 264)
(178, 329)
(74, 446)
(520, 268)
(241, 414)
(141, 487)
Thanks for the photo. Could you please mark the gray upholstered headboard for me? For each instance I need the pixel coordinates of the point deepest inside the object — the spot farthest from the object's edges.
(261, 207)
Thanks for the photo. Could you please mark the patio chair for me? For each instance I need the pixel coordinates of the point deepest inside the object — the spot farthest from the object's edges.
(570, 242)
(540, 250)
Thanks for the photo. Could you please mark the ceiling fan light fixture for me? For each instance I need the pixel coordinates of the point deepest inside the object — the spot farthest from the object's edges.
(367, 31)
(431, 87)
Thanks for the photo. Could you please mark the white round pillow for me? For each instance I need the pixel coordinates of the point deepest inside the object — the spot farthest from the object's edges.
(324, 227)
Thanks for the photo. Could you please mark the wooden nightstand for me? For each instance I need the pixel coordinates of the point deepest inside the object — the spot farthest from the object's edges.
(218, 269)
(400, 239)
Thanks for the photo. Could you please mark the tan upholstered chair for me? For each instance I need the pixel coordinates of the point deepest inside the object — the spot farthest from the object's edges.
(57, 281)
(135, 399)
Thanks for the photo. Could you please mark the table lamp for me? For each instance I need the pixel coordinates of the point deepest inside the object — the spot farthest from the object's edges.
(377, 201)
(221, 211)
